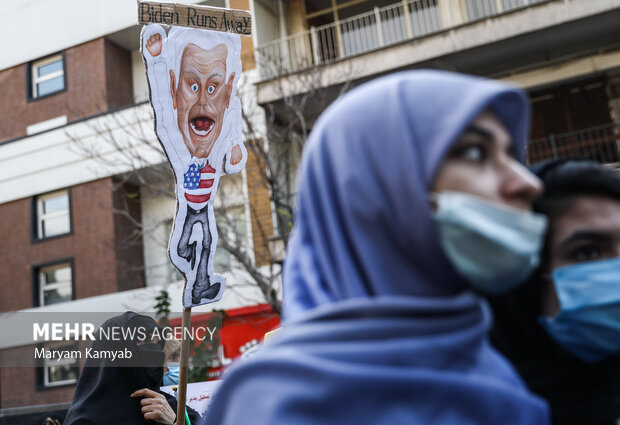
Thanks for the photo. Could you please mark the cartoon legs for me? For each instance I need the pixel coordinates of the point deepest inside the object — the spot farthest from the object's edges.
(203, 287)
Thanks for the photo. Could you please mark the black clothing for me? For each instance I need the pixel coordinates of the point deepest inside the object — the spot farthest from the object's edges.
(102, 395)
(579, 393)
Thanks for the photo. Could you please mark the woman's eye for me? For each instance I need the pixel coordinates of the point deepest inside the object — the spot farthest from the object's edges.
(474, 153)
(194, 87)
(211, 89)
(586, 253)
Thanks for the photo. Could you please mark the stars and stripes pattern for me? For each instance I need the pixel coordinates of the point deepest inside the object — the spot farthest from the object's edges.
(198, 184)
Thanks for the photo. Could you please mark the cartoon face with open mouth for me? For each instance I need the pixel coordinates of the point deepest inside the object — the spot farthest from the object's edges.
(201, 97)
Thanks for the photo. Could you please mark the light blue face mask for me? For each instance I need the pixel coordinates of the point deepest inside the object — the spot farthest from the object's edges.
(588, 324)
(172, 376)
(493, 246)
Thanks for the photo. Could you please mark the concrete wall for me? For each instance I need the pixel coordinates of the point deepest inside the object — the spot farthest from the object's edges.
(157, 210)
(138, 78)
(62, 162)
(265, 12)
(37, 28)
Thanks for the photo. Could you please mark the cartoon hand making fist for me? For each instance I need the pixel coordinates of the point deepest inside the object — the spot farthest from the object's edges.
(153, 44)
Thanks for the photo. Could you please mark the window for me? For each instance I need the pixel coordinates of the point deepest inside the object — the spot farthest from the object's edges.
(234, 226)
(54, 283)
(60, 371)
(223, 261)
(52, 214)
(47, 76)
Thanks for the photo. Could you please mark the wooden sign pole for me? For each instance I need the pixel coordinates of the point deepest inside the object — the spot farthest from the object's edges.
(183, 369)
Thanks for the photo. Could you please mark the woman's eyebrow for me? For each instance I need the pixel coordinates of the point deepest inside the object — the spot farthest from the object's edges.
(473, 129)
(581, 235)
(487, 136)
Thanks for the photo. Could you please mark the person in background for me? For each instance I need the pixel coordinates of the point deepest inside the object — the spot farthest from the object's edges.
(412, 204)
(124, 390)
(562, 329)
(172, 350)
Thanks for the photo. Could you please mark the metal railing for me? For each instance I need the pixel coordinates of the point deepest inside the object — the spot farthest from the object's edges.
(405, 20)
(601, 143)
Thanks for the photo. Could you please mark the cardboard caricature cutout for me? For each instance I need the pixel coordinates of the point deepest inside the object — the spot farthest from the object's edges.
(192, 77)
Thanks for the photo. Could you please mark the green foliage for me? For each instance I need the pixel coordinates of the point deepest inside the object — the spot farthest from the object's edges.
(162, 308)
(205, 354)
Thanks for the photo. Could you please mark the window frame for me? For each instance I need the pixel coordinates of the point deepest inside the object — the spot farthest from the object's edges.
(43, 374)
(37, 290)
(32, 80)
(37, 221)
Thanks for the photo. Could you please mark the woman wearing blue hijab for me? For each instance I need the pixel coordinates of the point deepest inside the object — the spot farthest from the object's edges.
(411, 203)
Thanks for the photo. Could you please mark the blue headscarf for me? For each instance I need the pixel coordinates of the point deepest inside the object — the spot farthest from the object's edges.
(379, 327)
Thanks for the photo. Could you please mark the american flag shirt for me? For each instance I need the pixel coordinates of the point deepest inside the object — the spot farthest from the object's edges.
(198, 184)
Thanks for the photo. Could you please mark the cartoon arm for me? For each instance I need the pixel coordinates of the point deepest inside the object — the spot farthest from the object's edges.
(155, 53)
(236, 153)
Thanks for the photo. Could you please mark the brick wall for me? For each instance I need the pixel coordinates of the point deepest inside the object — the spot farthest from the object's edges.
(98, 78)
(119, 83)
(128, 238)
(92, 245)
(247, 43)
(19, 385)
(100, 267)
(260, 209)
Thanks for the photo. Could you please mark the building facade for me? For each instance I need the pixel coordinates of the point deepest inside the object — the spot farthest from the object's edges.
(82, 230)
(85, 223)
(564, 52)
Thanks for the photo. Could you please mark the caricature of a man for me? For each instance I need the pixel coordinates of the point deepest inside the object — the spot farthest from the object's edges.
(195, 98)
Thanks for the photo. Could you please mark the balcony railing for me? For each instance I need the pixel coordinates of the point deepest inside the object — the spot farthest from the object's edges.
(601, 143)
(380, 27)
